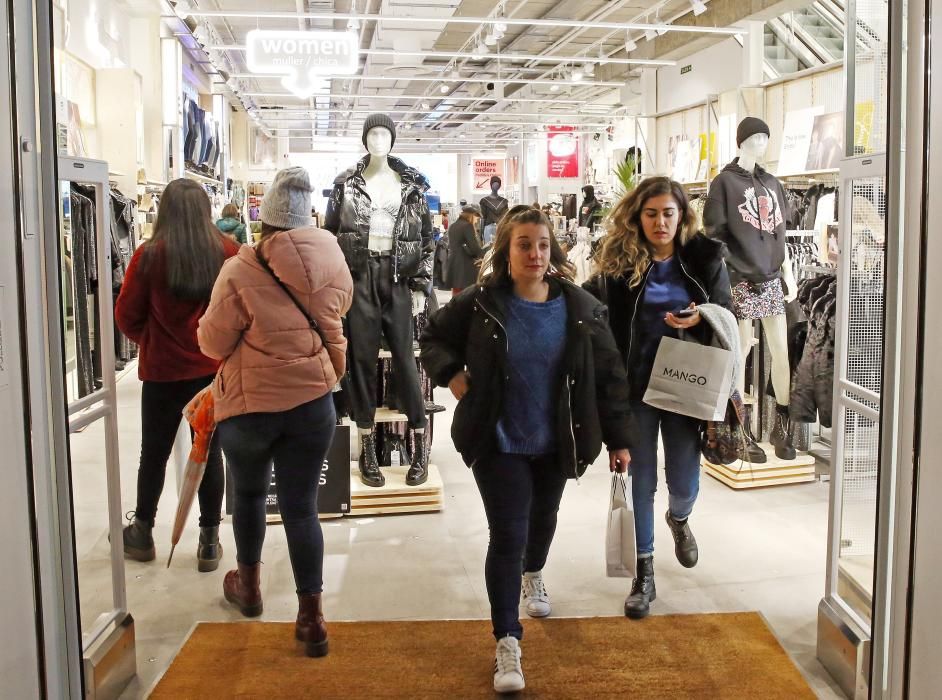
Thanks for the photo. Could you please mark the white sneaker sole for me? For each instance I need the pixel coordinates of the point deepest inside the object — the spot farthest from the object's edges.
(538, 612)
(511, 685)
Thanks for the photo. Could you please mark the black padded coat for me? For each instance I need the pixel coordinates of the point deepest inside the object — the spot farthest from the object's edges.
(348, 217)
(464, 253)
(592, 407)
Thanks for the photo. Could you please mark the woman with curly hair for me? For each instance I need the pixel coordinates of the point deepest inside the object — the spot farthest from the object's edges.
(539, 386)
(654, 268)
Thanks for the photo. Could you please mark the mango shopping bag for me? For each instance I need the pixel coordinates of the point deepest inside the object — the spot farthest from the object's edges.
(690, 379)
(621, 552)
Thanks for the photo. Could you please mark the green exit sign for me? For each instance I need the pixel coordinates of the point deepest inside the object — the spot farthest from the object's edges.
(686, 69)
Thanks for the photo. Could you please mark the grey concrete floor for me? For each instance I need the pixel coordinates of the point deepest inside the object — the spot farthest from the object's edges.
(762, 550)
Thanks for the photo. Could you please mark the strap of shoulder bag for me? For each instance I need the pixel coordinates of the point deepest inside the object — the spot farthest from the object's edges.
(310, 319)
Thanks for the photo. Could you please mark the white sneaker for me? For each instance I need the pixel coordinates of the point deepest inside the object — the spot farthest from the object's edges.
(534, 594)
(508, 675)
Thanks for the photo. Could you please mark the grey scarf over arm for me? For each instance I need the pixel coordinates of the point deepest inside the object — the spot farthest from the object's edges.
(725, 335)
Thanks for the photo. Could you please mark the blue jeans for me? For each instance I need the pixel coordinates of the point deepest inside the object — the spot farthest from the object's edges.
(521, 497)
(297, 441)
(681, 465)
(489, 232)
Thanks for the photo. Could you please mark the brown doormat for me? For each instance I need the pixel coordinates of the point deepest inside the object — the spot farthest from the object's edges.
(665, 656)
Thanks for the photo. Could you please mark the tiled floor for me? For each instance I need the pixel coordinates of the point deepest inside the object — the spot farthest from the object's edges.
(762, 550)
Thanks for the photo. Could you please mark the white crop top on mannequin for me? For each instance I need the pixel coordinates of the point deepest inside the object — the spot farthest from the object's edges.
(383, 217)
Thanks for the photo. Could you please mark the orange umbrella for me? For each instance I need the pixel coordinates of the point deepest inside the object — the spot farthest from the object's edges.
(199, 414)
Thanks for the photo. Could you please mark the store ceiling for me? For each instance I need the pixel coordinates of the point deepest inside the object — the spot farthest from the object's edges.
(472, 114)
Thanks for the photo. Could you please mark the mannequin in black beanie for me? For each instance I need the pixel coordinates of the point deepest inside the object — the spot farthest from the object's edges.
(745, 210)
(380, 216)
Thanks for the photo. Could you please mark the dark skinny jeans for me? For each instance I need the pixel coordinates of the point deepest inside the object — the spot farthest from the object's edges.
(162, 405)
(521, 499)
(297, 441)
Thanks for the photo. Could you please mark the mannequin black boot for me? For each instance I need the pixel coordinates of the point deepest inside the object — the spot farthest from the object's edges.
(418, 471)
(369, 465)
(643, 593)
(209, 551)
(781, 434)
(750, 451)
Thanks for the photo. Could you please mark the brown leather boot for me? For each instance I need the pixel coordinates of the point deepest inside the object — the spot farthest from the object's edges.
(310, 627)
(241, 588)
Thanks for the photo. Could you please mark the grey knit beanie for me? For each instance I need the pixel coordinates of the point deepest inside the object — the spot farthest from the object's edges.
(379, 119)
(287, 204)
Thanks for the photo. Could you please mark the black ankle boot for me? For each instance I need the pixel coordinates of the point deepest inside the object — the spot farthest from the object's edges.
(209, 551)
(643, 593)
(781, 434)
(369, 465)
(139, 540)
(750, 451)
(418, 472)
(685, 544)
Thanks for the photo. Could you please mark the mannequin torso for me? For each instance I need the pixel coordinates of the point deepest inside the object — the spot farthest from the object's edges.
(384, 186)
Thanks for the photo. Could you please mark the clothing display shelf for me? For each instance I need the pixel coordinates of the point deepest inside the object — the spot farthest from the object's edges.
(112, 627)
(202, 179)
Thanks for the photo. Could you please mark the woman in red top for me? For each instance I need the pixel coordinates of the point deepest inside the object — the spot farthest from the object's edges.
(165, 291)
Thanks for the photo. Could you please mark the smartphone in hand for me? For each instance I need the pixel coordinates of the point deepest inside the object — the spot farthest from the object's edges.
(684, 313)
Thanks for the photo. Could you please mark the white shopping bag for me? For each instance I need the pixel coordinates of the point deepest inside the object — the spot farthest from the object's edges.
(621, 552)
(690, 379)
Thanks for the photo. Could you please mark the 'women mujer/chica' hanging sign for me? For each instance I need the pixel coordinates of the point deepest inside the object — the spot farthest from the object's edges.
(302, 56)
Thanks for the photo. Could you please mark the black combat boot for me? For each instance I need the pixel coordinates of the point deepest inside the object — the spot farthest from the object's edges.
(418, 471)
(139, 540)
(781, 434)
(369, 465)
(750, 451)
(209, 551)
(643, 593)
(685, 544)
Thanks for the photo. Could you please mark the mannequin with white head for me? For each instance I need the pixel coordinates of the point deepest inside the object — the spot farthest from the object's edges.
(745, 210)
(379, 212)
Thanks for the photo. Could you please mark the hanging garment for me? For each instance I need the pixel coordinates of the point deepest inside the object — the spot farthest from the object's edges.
(581, 258)
(812, 390)
(84, 280)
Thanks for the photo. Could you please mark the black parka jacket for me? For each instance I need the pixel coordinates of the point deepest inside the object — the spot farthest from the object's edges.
(348, 217)
(468, 334)
(701, 261)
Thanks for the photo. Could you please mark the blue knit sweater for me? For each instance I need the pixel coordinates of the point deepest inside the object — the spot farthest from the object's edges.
(536, 336)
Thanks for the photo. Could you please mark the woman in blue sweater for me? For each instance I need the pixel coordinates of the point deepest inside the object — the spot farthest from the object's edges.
(540, 386)
(655, 268)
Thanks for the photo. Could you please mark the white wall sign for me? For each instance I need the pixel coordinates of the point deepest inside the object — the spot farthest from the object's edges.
(796, 140)
(302, 56)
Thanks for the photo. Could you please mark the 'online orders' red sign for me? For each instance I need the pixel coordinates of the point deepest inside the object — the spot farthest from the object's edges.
(562, 152)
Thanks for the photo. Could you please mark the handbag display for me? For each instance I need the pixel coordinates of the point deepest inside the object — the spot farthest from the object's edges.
(621, 551)
(724, 442)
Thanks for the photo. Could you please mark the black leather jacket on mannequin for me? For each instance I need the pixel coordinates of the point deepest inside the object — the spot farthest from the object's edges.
(348, 217)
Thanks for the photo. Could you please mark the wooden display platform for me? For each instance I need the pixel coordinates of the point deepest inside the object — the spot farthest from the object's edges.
(775, 471)
(395, 496)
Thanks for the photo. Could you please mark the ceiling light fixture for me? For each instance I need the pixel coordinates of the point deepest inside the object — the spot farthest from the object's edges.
(182, 9)
(589, 68)
(455, 74)
(698, 7)
(650, 34)
(630, 44)
(353, 25)
(554, 87)
(444, 89)
(577, 74)
(490, 39)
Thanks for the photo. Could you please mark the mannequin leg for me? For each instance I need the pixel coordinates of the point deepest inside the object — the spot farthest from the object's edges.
(746, 340)
(776, 333)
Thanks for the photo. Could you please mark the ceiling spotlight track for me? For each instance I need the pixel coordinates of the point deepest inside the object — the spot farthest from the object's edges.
(450, 98)
(452, 77)
(493, 21)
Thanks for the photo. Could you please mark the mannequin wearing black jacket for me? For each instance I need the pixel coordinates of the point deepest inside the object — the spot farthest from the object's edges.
(380, 216)
(590, 213)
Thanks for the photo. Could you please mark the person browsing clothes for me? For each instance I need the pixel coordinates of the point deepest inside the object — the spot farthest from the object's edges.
(540, 387)
(654, 269)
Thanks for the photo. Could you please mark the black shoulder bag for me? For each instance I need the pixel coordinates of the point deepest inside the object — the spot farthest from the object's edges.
(310, 319)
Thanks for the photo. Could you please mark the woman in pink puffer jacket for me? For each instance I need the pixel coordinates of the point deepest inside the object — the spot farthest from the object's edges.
(273, 390)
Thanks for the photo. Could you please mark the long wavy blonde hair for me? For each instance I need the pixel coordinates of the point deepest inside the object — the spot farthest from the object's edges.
(625, 252)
